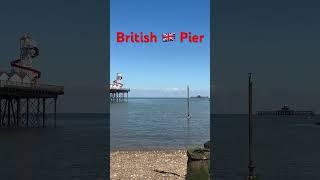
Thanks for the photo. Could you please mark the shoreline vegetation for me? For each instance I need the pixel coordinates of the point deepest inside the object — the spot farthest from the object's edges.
(148, 164)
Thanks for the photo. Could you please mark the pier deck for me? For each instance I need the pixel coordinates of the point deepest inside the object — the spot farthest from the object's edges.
(285, 111)
(289, 113)
(22, 105)
(119, 95)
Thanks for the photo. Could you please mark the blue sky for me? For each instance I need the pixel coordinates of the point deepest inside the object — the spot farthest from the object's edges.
(161, 69)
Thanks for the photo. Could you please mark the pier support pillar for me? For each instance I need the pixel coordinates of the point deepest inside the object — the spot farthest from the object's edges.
(38, 112)
(27, 113)
(18, 111)
(55, 112)
(43, 112)
(4, 113)
(9, 113)
(13, 114)
(0, 112)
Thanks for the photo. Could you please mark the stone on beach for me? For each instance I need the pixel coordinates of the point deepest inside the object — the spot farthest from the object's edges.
(207, 145)
(198, 154)
(195, 154)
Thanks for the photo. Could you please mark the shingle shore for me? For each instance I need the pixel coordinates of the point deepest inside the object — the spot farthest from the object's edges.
(154, 164)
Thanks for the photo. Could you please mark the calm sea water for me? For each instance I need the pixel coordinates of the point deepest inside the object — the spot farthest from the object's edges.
(285, 148)
(159, 123)
(74, 150)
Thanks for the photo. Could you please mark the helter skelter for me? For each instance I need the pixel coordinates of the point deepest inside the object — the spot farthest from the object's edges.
(117, 90)
(23, 100)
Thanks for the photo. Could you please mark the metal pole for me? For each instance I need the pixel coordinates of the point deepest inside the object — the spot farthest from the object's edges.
(251, 160)
(188, 102)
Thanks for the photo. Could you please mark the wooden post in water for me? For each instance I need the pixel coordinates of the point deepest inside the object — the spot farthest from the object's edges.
(251, 167)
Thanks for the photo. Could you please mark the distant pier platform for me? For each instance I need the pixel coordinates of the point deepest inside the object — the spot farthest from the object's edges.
(119, 95)
(285, 111)
(22, 105)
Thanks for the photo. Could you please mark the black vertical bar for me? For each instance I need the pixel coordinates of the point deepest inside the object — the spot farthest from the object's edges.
(27, 113)
(251, 160)
(55, 112)
(43, 112)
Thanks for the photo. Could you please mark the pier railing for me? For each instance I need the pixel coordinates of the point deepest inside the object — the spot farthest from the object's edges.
(31, 85)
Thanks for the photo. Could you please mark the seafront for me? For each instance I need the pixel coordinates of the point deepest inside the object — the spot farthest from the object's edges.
(149, 164)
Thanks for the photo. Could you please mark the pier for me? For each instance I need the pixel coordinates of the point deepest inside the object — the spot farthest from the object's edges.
(26, 106)
(117, 92)
(23, 101)
(285, 111)
(119, 95)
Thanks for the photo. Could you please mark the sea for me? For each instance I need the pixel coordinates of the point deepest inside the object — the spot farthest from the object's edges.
(75, 149)
(285, 148)
(159, 123)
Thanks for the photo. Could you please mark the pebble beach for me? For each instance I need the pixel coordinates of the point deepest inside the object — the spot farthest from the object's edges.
(149, 164)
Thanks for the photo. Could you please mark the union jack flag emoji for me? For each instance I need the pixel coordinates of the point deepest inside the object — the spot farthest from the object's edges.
(166, 37)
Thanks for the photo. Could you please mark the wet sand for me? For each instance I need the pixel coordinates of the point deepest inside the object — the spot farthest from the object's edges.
(157, 164)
